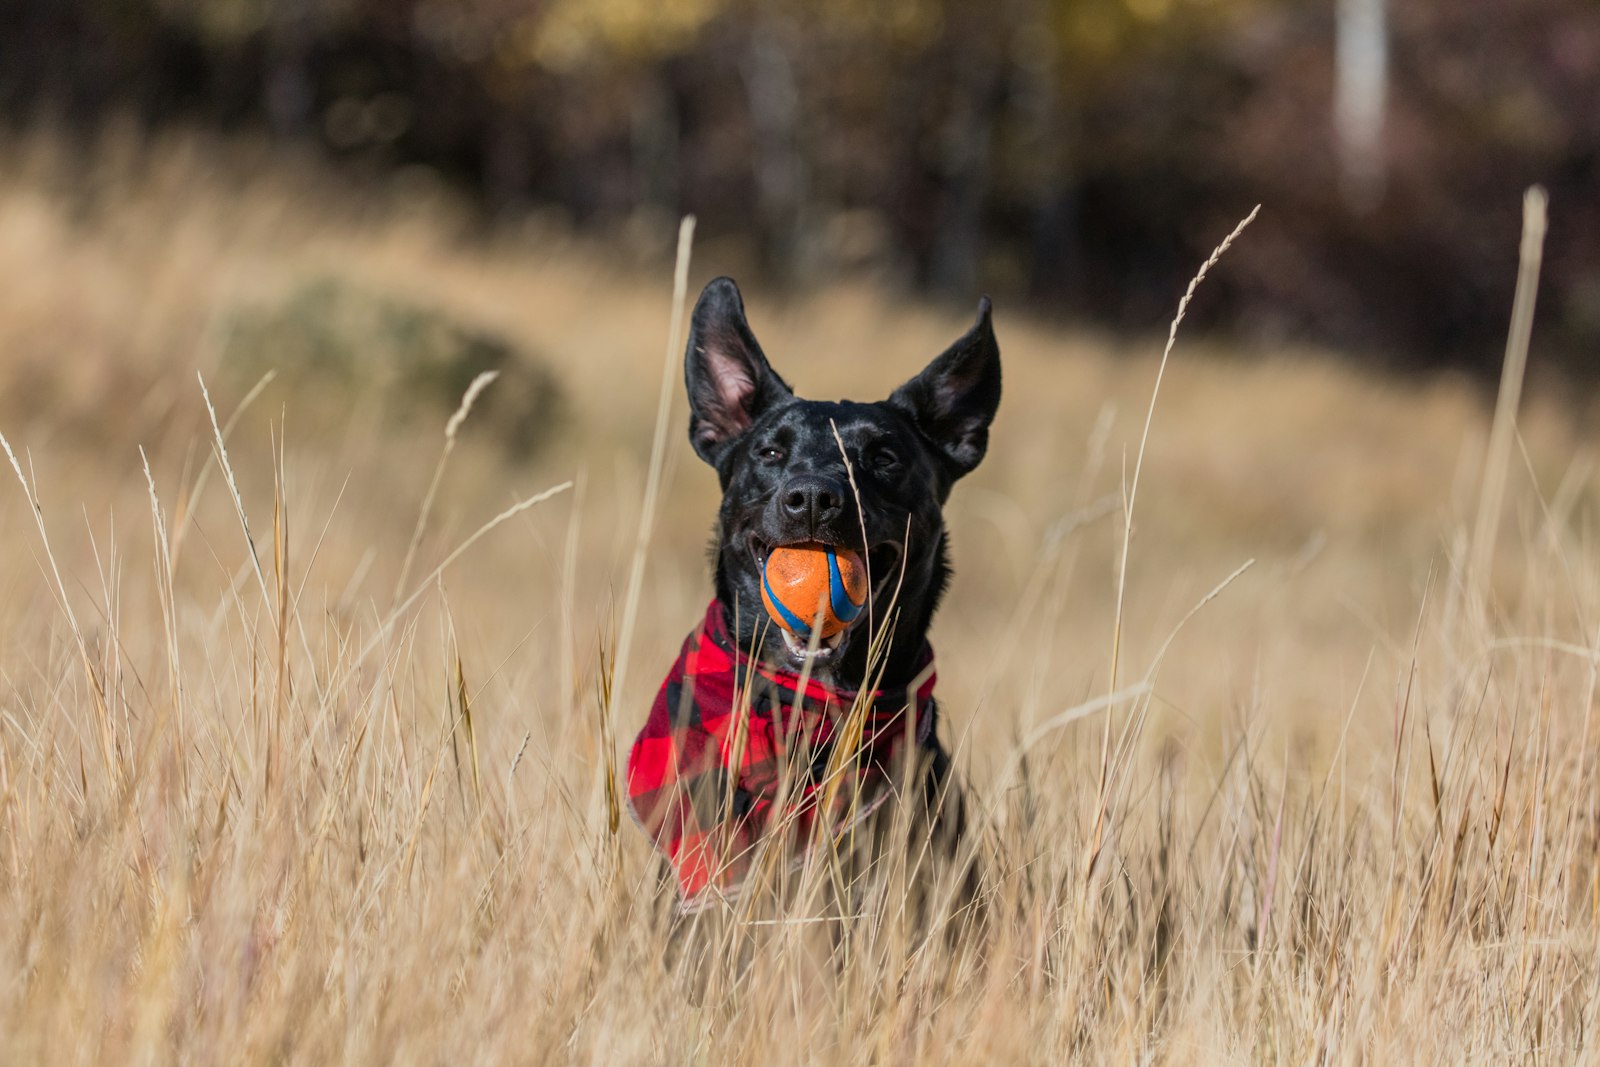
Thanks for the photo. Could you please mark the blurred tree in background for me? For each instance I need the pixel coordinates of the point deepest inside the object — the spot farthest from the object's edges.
(1086, 153)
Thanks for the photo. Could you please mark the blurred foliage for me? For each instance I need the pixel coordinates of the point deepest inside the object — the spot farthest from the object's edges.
(1086, 153)
(347, 347)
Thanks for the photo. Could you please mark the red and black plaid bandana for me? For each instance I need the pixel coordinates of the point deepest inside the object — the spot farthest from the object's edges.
(704, 779)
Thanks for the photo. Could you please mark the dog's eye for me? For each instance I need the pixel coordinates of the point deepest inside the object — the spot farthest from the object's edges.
(769, 454)
(884, 459)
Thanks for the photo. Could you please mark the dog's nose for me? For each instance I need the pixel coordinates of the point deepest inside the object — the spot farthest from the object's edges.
(813, 499)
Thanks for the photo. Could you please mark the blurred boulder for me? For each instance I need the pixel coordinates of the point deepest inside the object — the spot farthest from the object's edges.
(345, 348)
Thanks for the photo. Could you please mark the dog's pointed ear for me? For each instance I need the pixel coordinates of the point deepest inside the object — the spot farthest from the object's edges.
(954, 399)
(729, 381)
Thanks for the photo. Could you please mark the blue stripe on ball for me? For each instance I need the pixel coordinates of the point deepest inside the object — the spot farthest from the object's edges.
(800, 627)
(844, 609)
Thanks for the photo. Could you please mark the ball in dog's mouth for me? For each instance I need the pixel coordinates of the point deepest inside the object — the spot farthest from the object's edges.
(835, 576)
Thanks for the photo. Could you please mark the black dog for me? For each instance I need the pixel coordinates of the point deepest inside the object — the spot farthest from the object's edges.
(792, 471)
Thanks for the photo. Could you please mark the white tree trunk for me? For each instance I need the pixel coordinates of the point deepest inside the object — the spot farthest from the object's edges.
(1360, 99)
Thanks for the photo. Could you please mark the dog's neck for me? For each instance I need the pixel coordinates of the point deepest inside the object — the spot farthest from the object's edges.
(733, 748)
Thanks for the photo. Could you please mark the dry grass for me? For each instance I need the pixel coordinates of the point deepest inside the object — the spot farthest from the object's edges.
(255, 806)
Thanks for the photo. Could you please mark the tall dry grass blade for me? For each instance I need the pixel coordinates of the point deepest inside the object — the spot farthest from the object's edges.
(604, 692)
(1270, 887)
(1144, 436)
(188, 502)
(451, 429)
(464, 705)
(460, 550)
(1058, 721)
(861, 515)
(105, 729)
(658, 453)
(1498, 457)
(1132, 497)
(349, 664)
(233, 487)
(1215, 591)
(1115, 767)
(280, 586)
(166, 597)
(568, 665)
(414, 837)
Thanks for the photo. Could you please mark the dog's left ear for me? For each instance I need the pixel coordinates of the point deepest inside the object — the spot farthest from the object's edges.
(953, 400)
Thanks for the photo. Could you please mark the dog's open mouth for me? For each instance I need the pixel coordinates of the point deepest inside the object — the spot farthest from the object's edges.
(827, 647)
(883, 578)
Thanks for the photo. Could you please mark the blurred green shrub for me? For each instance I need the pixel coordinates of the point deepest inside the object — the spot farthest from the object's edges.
(345, 346)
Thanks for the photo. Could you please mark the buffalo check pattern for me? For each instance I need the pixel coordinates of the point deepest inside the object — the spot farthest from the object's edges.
(734, 748)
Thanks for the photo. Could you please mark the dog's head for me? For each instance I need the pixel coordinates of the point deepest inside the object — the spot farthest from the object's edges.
(795, 470)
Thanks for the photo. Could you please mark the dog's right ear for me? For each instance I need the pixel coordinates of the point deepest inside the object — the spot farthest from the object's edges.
(729, 381)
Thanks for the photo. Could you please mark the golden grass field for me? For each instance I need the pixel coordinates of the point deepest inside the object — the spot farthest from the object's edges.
(246, 815)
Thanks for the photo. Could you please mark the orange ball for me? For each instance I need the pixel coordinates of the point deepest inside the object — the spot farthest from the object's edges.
(802, 580)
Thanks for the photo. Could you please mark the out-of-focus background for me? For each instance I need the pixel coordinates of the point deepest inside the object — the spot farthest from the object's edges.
(1080, 157)
(295, 767)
